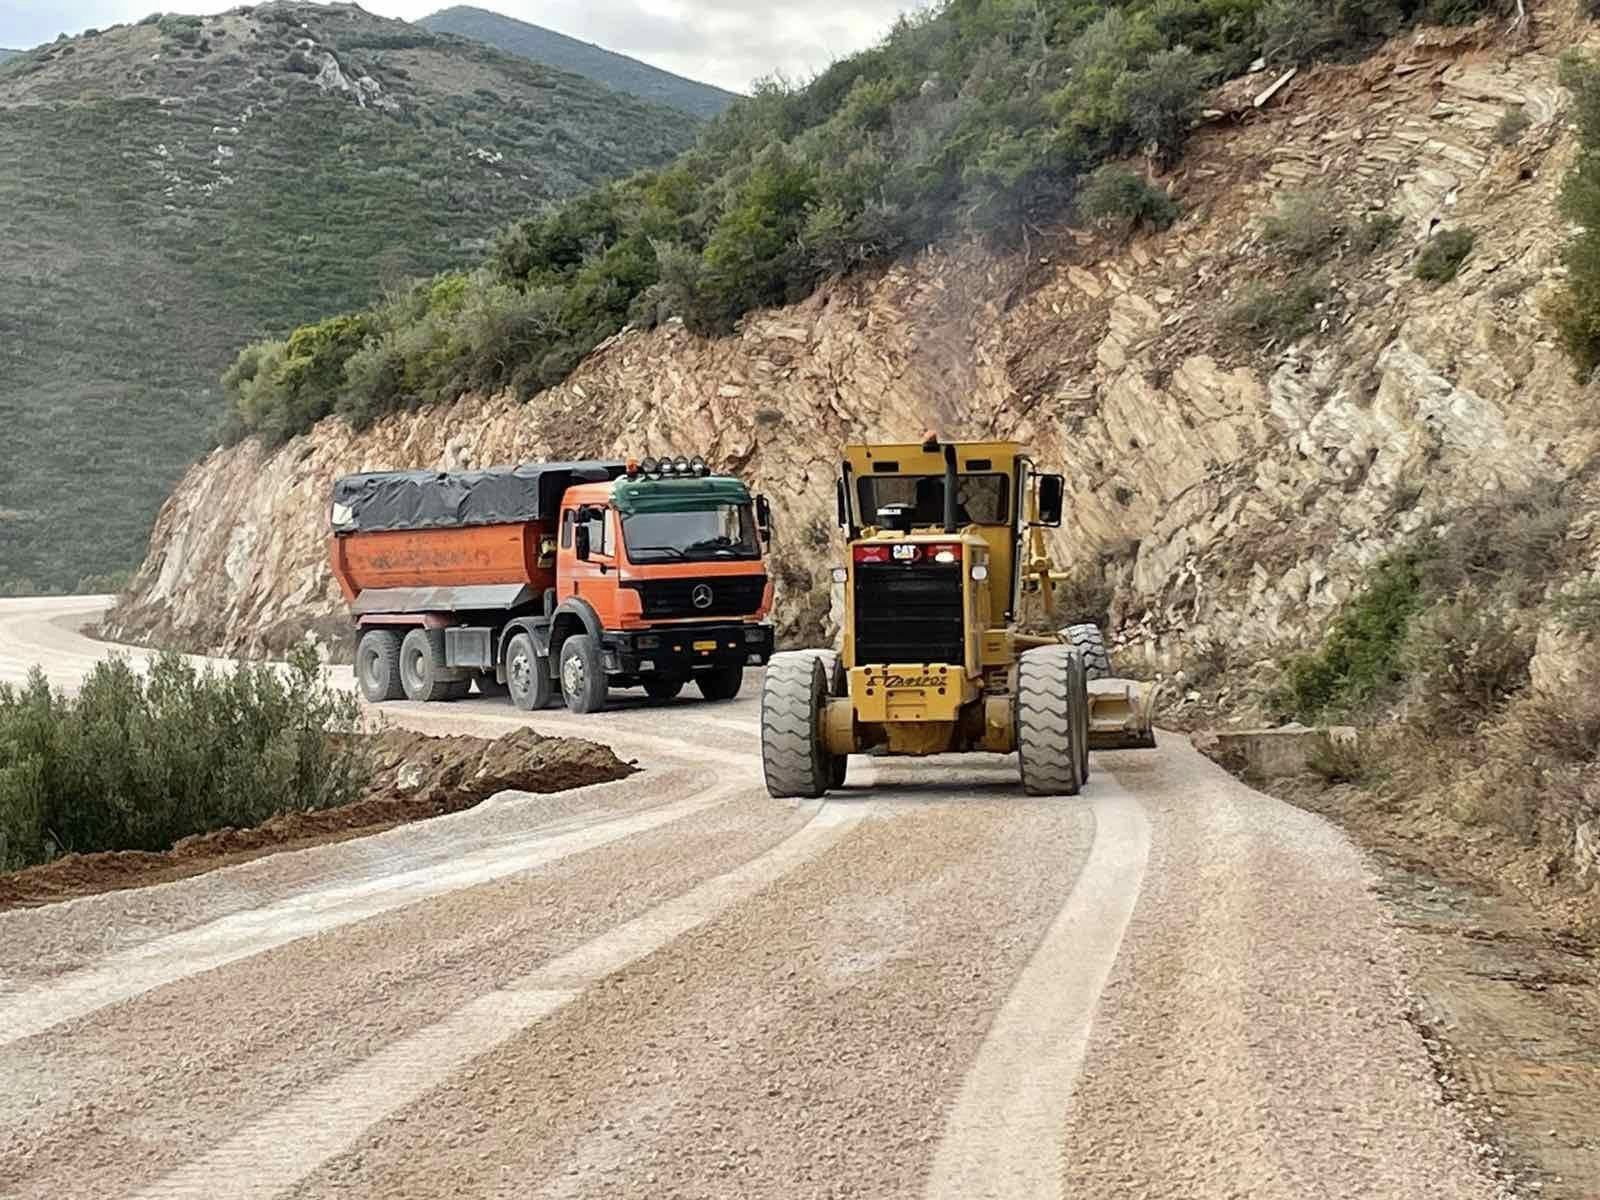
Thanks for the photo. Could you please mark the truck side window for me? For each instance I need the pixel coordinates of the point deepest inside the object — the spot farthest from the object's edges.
(599, 531)
(566, 530)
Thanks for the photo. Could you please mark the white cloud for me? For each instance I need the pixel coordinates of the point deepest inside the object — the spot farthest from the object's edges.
(726, 42)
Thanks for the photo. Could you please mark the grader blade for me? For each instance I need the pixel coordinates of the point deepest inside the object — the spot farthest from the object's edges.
(1122, 715)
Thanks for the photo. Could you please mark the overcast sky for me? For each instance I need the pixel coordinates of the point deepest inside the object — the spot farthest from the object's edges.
(725, 42)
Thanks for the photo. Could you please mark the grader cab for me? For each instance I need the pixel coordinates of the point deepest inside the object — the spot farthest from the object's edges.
(945, 539)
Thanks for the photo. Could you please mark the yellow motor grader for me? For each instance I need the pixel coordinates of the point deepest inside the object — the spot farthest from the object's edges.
(944, 541)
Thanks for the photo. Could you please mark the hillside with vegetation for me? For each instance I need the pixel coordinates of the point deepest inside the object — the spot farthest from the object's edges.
(180, 186)
(581, 58)
(980, 117)
(5, 54)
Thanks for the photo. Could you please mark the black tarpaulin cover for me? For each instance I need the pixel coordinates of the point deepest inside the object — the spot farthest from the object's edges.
(391, 500)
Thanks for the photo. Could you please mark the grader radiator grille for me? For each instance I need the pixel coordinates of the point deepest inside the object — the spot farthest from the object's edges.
(908, 613)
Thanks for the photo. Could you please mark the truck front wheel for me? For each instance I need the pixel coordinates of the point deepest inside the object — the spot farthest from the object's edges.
(527, 674)
(422, 668)
(378, 666)
(721, 683)
(583, 674)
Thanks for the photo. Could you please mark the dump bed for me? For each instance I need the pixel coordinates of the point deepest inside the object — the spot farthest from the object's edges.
(406, 541)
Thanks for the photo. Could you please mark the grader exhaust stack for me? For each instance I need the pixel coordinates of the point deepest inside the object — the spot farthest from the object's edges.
(945, 539)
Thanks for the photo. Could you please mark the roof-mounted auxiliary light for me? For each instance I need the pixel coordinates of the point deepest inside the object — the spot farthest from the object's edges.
(680, 465)
(650, 466)
(698, 466)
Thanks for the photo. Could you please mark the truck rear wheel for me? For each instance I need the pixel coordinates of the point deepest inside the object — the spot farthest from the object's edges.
(721, 683)
(378, 666)
(794, 759)
(527, 674)
(1090, 642)
(422, 666)
(1052, 721)
(583, 674)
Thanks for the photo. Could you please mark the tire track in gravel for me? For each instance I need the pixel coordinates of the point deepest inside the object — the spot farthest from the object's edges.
(803, 1044)
(1252, 1038)
(1019, 1089)
(286, 1144)
(147, 1084)
(131, 972)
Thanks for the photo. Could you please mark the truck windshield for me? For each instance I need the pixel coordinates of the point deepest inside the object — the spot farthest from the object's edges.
(724, 532)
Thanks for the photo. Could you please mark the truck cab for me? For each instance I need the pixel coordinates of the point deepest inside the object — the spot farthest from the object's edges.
(671, 564)
(567, 579)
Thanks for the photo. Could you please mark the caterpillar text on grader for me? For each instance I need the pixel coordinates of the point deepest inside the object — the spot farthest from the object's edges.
(945, 539)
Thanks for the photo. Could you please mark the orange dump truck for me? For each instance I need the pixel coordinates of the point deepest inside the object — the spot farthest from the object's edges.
(566, 579)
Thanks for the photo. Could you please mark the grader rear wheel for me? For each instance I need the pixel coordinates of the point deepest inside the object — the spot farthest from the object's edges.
(838, 685)
(1052, 721)
(794, 760)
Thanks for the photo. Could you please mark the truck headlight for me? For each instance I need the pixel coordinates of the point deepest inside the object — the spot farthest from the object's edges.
(753, 633)
(980, 573)
(841, 575)
(648, 641)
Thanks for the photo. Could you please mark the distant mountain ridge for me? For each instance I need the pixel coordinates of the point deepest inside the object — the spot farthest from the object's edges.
(616, 71)
(177, 187)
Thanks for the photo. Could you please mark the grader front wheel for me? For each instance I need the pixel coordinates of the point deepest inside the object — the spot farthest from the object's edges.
(1052, 721)
(794, 759)
(1090, 642)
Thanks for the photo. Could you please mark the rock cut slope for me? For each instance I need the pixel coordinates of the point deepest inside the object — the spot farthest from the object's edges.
(177, 187)
(1231, 490)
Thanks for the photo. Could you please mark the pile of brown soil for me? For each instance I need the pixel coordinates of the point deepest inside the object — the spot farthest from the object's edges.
(415, 777)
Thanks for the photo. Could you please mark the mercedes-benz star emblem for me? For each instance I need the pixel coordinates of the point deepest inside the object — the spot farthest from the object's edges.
(702, 596)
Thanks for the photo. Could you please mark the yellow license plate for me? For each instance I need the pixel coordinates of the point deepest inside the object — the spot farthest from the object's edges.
(705, 645)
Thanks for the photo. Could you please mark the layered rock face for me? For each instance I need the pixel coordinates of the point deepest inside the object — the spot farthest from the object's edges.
(1231, 494)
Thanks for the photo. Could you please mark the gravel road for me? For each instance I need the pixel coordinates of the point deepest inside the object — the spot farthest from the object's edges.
(673, 986)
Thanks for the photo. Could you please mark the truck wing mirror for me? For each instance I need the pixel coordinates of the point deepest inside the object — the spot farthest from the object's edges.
(580, 542)
(842, 500)
(1052, 500)
(764, 518)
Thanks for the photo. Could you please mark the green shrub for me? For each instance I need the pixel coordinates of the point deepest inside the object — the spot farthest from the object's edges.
(1375, 232)
(1579, 609)
(977, 117)
(1441, 616)
(1441, 259)
(1360, 656)
(110, 583)
(1115, 197)
(1512, 126)
(136, 763)
(1268, 313)
(1462, 659)
(1304, 225)
(1575, 309)
(184, 30)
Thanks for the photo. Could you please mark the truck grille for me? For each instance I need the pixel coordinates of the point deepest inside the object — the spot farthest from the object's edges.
(730, 596)
(908, 614)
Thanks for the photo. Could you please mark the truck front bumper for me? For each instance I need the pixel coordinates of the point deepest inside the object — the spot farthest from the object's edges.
(683, 649)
